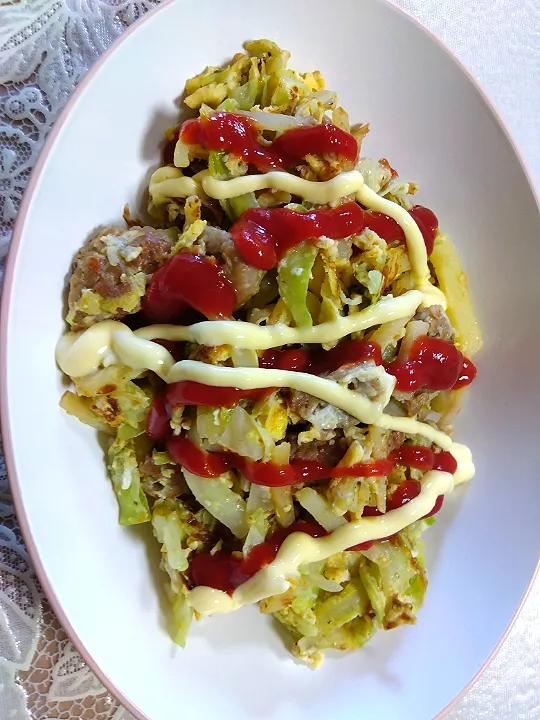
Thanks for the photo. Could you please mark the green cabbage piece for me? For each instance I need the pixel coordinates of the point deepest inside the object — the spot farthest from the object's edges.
(115, 398)
(235, 430)
(126, 481)
(294, 274)
(383, 587)
(224, 167)
(180, 532)
(258, 78)
(394, 577)
(216, 495)
(259, 509)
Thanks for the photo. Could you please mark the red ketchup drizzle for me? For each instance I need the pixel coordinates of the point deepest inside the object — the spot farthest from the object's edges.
(298, 360)
(388, 229)
(188, 392)
(226, 572)
(349, 352)
(187, 280)
(238, 135)
(423, 459)
(204, 464)
(444, 461)
(467, 374)
(317, 140)
(414, 456)
(158, 425)
(263, 236)
(221, 570)
(433, 364)
(377, 468)
(183, 451)
(438, 505)
(403, 494)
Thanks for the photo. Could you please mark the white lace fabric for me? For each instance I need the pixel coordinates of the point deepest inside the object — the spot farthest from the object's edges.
(46, 47)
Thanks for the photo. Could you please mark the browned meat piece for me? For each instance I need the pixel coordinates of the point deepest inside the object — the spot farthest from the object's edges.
(111, 272)
(416, 404)
(327, 452)
(246, 279)
(439, 324)
(396, 440)
(366, 378)
(319, 413)
(161, 481)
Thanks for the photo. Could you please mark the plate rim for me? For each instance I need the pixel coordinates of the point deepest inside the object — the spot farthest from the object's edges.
(5, 305)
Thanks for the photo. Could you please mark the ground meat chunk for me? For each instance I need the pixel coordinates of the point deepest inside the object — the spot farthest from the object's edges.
(438, 322)
(161, 481)
(327, 452)
(111, 273)
(320, 413)
(396, 440)
(246, 279)
(366, 378)
(416, 404)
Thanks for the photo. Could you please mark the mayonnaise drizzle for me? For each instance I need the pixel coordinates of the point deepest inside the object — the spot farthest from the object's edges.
(113, 342)
(416, 246)
(351, 402)
(168, 182)
(301, 549)
(94, 345)
(106, 342)
(320, 193)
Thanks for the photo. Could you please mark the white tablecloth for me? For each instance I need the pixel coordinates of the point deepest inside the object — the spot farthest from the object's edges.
(45, 48)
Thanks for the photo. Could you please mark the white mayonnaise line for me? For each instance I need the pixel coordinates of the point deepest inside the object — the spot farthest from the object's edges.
(320, 193)
(415, 243)
(302, 549)
(169, 182)
(80, 353)
(351, 402)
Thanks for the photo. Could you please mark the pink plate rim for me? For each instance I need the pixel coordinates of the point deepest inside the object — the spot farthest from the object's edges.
(4, 313)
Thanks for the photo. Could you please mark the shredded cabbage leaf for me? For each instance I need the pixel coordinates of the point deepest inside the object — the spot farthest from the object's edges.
(126, 480)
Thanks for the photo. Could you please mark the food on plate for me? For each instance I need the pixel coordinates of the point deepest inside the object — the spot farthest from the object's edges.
(277, 355)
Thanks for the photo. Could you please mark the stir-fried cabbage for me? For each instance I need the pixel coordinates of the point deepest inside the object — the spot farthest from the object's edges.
(180, 533)
(81, 408)
(256, 79)
(382, 587)
(223, 503)
(319, 508)
(126, 480)
(236, 430)
(116, 399)
(294, 274)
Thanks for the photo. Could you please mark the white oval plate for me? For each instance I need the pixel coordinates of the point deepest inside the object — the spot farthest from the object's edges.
(432, 122)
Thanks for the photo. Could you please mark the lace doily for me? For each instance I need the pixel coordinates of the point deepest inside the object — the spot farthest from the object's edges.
(46, 47)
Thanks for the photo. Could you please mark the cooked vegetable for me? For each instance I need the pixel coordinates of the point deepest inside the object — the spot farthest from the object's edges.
(81, 408)
(294, 274)
(126, 480)
(216, 496)
(179, 532)
(454, 284)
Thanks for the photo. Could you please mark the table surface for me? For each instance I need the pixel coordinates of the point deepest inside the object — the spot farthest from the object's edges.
(41, 676)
